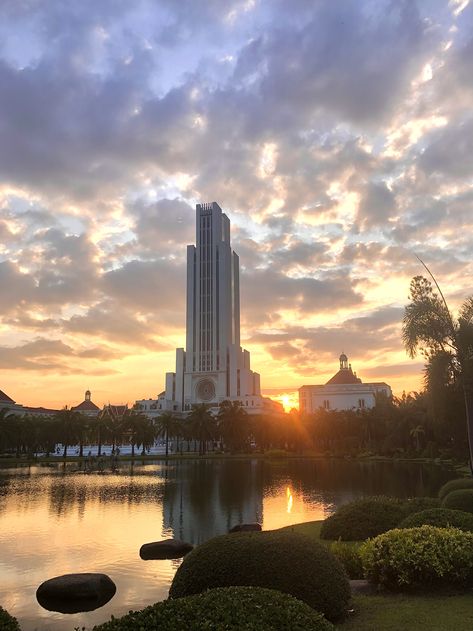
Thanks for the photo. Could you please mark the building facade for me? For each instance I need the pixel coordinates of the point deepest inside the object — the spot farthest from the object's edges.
(344, 391)
(213, 366)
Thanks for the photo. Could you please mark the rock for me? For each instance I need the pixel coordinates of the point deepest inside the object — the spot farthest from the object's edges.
(246, 528)
(166, 549)
(72, 593)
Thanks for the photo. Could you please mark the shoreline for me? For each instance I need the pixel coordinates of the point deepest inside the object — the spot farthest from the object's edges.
(460, 467)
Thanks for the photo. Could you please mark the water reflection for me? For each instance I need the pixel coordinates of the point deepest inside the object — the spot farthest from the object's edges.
(56, 520)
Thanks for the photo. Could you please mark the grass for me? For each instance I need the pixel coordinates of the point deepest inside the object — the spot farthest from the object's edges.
(399, 612)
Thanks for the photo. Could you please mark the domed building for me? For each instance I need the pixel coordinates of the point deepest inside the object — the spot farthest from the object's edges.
(344, 391)
(87, 407)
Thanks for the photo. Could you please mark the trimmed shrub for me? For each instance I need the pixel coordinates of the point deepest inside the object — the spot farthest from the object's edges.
(459, 500)
(349, 556)
(363, 518)
(286, 561)
(7, 622)
(417, 504)
(419, 558)
(455, 485)
(229, 608)
(440, 517)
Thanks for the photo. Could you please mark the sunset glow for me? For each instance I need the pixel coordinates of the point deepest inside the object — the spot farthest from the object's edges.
(337, 165)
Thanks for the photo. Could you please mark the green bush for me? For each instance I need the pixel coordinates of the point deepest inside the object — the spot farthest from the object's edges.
(459, 500)
(228, 608)
(419, 558)
(417, 504)
(440, 517)
(283, 560)
(349, 556)
(455, 485)
(363, 518)
(7, 622)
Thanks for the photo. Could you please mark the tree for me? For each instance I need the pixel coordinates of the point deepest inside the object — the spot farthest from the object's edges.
(203, 425)
(166, 427)
(68, 424)
(140, 430)
(233, 425)
(446, 342)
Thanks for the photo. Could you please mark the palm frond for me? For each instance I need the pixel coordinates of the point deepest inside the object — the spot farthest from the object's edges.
(466, 311)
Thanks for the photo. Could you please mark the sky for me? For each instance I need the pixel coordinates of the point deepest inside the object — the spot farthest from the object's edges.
(336, 134)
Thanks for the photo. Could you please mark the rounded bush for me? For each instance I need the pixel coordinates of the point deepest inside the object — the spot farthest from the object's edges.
(8, 622)
(459, 500)
(362, 519)
(440, 517)
(455, 485)
(286, 561)
(417, 504)
(419, 558)
(229, 608)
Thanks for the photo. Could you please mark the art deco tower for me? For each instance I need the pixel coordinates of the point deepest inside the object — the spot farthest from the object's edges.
(213, 367)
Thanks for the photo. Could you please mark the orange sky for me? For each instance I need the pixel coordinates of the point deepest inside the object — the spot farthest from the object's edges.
(337, 166)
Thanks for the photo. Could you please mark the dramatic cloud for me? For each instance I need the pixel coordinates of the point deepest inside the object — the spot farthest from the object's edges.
(336, 135)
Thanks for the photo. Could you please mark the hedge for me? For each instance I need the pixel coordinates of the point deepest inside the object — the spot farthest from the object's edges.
(417, 504)
(283, 560)
(440, 517)
(459, 500)
(224, 609)
(8, 622)
(362, 519)
(455, 485)
(423, 558)
(349, 556)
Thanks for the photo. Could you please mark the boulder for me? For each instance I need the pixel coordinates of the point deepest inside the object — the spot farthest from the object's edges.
(246, 528)
(166, 549)
(73, 593)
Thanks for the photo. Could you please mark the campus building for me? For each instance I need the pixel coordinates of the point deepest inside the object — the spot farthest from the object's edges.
(344, 391)
(213, 366)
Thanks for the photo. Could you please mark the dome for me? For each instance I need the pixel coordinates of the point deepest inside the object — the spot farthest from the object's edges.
(343, 357)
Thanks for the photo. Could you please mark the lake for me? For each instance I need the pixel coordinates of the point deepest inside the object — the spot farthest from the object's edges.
(55, 520)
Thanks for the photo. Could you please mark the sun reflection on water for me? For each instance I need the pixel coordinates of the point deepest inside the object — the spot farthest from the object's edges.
(289, 499)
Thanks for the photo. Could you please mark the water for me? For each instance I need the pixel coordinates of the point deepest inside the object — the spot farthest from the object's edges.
(56, 520)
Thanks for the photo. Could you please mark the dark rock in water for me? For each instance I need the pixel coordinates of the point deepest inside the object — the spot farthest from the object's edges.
(73, 593)
(246, 528)
(167, 549)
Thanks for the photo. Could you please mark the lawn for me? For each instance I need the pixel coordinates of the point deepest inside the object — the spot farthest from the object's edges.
(410, 613)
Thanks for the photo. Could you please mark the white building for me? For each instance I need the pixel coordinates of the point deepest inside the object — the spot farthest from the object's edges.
(344, 391)
(213, 367)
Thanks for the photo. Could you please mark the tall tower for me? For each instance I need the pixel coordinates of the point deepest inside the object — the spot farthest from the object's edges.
(213, 367)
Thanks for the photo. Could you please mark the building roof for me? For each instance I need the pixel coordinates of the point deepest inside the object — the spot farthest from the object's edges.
(5, 397)
(86, 406)
(343, 376)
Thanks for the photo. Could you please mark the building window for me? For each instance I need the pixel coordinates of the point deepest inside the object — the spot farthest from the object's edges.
(326, 404)
(361, 403)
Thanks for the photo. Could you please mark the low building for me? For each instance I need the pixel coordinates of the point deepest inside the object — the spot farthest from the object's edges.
(344, 391)
(9, 404)
(87, 407)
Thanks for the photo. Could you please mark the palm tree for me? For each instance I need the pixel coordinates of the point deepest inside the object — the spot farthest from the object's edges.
(68, 424)
(101, 428)
(203, 425)
(140, 430)
(445, 341)
(233, 425)
(166, 427)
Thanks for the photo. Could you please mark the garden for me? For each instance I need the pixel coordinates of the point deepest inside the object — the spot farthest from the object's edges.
(376, 564)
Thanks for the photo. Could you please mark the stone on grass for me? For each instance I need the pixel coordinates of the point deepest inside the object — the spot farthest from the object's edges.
(73, 593)
(246, 528)
(166, 549)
